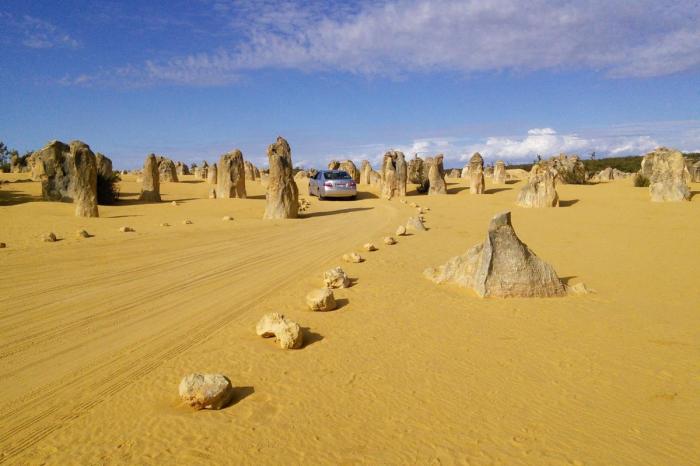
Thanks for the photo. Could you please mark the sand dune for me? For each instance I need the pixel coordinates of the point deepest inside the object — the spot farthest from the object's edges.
(95, 334)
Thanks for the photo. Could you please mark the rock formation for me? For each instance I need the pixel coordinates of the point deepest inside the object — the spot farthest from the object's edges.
(349, 167)
(668, 175)
(167, 170)
(286, 332)
(389, 178)
(375, 179)
(181, 169)
(69, 173)
(365, 170)
(336, 278)
(436, 177)
(206, 391)
(282, 198)
(476, 174)
(540, 190)
(454, 173)
(321, 300)
(104, 165)
(418, 173)
(499, 173)
(502, 266)
(388, 240)
(230, 176)
(353, 257)
(401, 174)
(249, 171)
(212, 180)
(695, 173)
(334, 165)
(465, 171)
(150, 186)
(569, 169)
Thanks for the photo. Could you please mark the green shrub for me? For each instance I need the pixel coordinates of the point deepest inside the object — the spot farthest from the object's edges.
(108, 189)
(640, 181)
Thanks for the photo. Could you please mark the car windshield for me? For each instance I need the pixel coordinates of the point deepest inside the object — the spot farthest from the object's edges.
(337, 176)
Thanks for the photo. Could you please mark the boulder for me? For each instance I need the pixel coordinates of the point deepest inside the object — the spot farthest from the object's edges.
(321, 300)
(499, 172)
(388, 240)
(476, 174)
(104, 165)
(401, 230)
(349, 167)
(167, 170)
(418, 173)
(282, 198)
(502, 266)
(669, 175)
(369, 247)
(540, 190)
(150, 184)
(415, 224)
(336, 278)
(206, 391)
(569, 169)
(286, 332)
(436, 176)
(68, 173)
(353, 257)
(389, 178)
(230, 176)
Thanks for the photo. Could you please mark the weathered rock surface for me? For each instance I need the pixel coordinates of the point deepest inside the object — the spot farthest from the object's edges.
(249, 169)
(569, 169)
(286, 332)
(669, 175)
(68, 173)
(167, 170)
(49, 238)
(369, 247)
(104, 165)
(212, 180)
(695, 173)
(230, 176)
(502, 266)
(388, 240)
(181, 169)
(334, 165)
(540, 190)
(336, 278)
(389, 176)
(353, 257)
(499, 172)
(282, 198)
(415, 224)
(206, 391)
(321, 300)
(351, 169)
(436, 176)
(476, 174)
(150, 184)
(400, 230)
(365, 170)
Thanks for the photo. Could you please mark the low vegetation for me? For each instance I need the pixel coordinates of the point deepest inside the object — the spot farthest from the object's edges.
(108, 189)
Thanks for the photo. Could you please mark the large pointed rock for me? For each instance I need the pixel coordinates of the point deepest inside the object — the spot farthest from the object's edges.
(212, 180)
(389, 179)
(502, 266)
(668, 175)
(150, 186)
(68, 173)
(249, 171)
(230, 175)
(436, 176)
(401, 173)
(167, 170)
(282, 193)
(540, 190)
(104, 165)
(365, 170)
(476, 174)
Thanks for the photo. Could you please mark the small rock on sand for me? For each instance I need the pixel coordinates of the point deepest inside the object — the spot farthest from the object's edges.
(579, 288)
(336, 278)
(48, 238)
(227, 218)
(206, 391)
(286, 332)
(415, 223)
(401, 230)
(353, 257)
(126, 229)
(187, 222)
(3, 245)
(173, 203)
(369, 247)
(389, 240)
(321, 300)
(165, 224)
(83, 234)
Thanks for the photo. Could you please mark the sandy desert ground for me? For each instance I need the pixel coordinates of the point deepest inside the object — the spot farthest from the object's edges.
(95, 334)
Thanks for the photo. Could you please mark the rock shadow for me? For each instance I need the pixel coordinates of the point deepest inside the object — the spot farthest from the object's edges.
(334, 212)
(341, 303)
(310, 337)
(457, 189)
(568, 203)
(239, 394)
(566, 280)
(10, 197)
(496, 190)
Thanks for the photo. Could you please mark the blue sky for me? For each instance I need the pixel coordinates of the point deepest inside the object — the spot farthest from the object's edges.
(194, 79)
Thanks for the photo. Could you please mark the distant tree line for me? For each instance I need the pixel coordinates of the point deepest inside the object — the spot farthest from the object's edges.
(6, 155)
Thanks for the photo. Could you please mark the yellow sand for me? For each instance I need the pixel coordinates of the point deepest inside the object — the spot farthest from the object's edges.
(95, 334)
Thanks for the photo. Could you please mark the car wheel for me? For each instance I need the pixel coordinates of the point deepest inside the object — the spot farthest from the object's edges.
(353, 198)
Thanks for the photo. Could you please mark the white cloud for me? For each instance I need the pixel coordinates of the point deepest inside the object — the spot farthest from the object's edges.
(35, 32)
(389, 38)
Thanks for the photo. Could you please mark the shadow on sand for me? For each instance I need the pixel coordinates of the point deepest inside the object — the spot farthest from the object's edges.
(568, 203)
(10, 197)
(334, 212)
(496, 190)
(310, 337)
(457, 189)
(239, 394)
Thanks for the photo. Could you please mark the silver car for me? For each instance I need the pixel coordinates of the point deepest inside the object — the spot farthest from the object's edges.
(332, 183)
